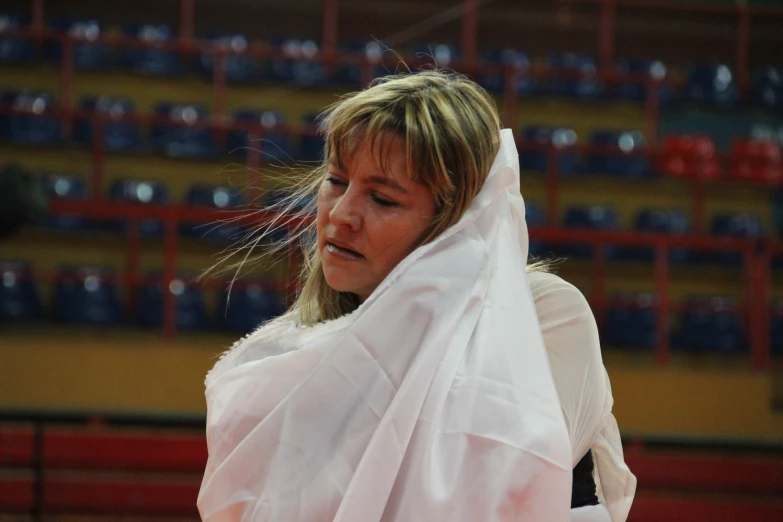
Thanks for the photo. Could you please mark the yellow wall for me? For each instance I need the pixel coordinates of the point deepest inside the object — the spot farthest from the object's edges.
(58, 368)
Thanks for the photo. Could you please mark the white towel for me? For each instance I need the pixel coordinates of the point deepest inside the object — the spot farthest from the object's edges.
(433, 401)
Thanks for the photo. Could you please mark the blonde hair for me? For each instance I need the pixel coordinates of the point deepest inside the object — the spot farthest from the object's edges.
(450, 128)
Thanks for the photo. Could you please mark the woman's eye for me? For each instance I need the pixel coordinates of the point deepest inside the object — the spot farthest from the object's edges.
(384, 202)
(336, 181)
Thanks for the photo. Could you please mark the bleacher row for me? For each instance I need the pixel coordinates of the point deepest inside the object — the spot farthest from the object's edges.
(119, 472)
(297, 62)
(186, 131)
(93, 296)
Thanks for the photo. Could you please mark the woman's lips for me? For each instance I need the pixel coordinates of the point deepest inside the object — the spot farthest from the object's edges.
(342, 252)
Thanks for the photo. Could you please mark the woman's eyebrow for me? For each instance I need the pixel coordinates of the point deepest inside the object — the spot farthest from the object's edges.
(382, 180)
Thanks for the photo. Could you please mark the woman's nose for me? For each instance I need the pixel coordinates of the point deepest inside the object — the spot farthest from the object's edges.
(346, 211)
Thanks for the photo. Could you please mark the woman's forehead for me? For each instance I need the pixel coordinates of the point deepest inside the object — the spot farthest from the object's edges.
(386, 153)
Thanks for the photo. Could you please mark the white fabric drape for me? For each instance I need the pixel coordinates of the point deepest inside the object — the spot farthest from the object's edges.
(433, 401)
(574, 350)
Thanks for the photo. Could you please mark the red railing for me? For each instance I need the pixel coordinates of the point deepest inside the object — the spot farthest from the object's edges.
(756, 255)
(63, 470)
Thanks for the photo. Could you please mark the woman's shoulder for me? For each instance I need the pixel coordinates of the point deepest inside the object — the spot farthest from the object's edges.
(267, 340)
(556, 298)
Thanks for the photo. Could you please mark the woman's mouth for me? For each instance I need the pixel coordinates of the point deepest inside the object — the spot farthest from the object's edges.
(343, 252)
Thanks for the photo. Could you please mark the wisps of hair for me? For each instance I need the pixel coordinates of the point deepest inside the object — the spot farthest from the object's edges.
(450, 128)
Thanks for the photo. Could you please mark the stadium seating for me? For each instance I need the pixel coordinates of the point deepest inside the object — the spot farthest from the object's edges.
(66, 187)
(541, 138)
(13, 48)
(509, 58)
(250, 304)
(641, 69)
(596, 217)
(630, 321)
(710, 324)
(19, 297)
(32, 120)
(756, 160)
(87, 295)
(119, 133)
(768, 87)
(444, 55)
(141, 193)
(690, 156)
(182, 130)
(189, 303)
(88, 53)
(213, 197)
(239, 67)
(299, 64)
(712, 85)
(270, 137)
(733, 225)
(657, 221)
(776, 327)
(311, 146)
(621, 153)
(535, 217)
(153, 54)
(581, 81)
(352, 74)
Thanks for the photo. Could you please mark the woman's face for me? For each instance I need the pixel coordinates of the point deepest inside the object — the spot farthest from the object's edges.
(368, 220)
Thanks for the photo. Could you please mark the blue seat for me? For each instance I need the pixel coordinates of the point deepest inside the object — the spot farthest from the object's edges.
(155, 59)
(768, 87)
(311, 146)
(776, 327)
(142, 193)
(445, 55)
(633, 90)
(299, 63)
(734, 225)
(184, 131)
(352, 74)
(711, 324)
(585, 85)
(88, 53)
(712, 85)
(189, 304)
(213, 197)
(19, 297)
(657, 221)
(62, 186)
(495, 81)
(630, 321)
(619, 153)
(596, 217)
(13, 48)
(535, 217)
(34, 121)
(250, 304)
(562, 139)
(119, 134)
(239, 66)
(272, 141)
(87, 295)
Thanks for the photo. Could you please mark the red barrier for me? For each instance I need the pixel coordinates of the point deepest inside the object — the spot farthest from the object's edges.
(688, 472)
(17, 446)
(73, 494)
(77, 449)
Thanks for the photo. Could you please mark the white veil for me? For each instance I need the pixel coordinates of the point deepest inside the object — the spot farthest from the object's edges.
(433, 401)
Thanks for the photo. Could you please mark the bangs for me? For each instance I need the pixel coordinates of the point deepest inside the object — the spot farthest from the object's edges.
(377, 122)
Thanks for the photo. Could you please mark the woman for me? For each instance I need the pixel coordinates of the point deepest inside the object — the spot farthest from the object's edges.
(572, 345)
(409, 380)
